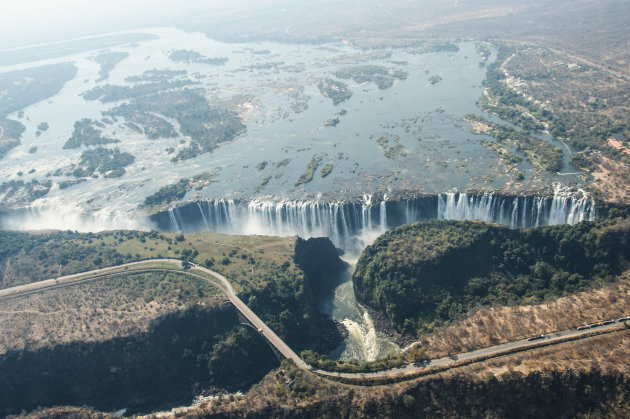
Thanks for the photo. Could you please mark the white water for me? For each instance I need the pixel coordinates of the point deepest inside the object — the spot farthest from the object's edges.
(362, 338)
(71, 217)
(363, 342)
(353, 226)
(350, 226)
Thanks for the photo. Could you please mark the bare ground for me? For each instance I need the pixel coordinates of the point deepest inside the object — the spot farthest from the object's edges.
(496, 325)
(611, 180)
(95, 311)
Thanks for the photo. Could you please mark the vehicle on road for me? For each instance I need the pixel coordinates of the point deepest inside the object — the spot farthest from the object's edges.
(536, 337)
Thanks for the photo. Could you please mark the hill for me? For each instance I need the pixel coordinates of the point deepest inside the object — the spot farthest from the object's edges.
(145, 340)
(427, 274)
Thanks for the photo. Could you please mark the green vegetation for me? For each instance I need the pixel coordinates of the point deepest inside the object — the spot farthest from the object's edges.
(506, 103)
(307, 176)
(539, 152)
(261, 166)
(85, 134)
(484, 52)
(22, 88)
(379, 75)
(414, 354)
(155, 76)
(335, 90)
(10, 134)
(19, 192)
(578, 103)
(546, 393)
(200, 345)
(437, 47)
(32, 150)
(42, 127)
(108, 61)
(262, 184)
(282, 163)
(206, 125)
(147, 123)
(189, 56)
(276, 277)
(503, 153)
(66, 48)
(394, 150)
(110, 163)
(171, 193)
(109, 93)
(65, 184)
(327, 169)
(265, 66)
(435, 79)
(332, 122)
(427, 274)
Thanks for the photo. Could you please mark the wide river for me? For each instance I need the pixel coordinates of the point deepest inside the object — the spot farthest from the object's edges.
(406, 135)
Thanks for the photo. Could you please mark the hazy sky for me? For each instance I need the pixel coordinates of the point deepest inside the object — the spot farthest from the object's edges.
(23, 21)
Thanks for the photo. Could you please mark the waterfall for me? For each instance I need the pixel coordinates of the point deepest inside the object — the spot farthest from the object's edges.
(174, 218)
(203, 216)
(59, 215)
(353, 225)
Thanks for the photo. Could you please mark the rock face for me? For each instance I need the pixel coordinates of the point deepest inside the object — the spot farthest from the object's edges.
(319, 259)
(347, 224)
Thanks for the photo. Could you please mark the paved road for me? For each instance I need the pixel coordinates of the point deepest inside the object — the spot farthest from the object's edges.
(269, 334)
(70, 279)
(224, 285)
(496, 350)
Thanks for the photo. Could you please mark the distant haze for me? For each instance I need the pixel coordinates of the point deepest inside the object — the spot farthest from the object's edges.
(40, 21)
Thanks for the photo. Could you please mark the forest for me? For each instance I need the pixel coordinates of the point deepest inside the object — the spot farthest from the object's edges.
(85, 133)
(108, 61)
(110, 163)
(539, 152)
(281, 293)
(428, 274)
(182, 354)
(171, 193)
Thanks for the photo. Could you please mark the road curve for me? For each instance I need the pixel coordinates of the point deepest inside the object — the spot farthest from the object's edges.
(225, 286)
(275, 340)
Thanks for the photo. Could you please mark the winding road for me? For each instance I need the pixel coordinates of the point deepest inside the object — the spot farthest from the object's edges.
(225, 286)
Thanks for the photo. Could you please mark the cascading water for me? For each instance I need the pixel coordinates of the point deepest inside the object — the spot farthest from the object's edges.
(351, 226)
(363, 342)
(64, 216)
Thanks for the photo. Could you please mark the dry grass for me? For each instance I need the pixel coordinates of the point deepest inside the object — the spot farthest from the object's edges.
(495, 325)
(97, 311)
(611, 179)
(605, 353)
(600, 353)
(267, 254)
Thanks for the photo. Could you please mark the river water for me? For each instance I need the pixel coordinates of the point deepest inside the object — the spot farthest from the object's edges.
(363, 342)
(407, 137)
(274, 88)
